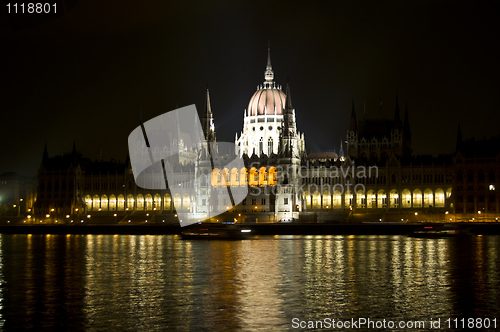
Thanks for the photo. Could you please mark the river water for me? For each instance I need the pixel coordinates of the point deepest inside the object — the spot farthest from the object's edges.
(164, 283)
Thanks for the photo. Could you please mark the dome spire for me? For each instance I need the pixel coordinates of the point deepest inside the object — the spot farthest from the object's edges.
(269, 74)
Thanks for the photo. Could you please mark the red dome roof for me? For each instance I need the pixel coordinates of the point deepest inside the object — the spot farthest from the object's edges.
(264, 100)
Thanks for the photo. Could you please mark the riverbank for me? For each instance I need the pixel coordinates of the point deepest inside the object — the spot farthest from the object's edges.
(375, 228)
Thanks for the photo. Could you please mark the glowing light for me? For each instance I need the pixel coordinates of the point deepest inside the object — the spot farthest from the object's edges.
(114, 215)
(29, 216)
(47, 215)
(67, 216)
(416, 213)
(88, 215)
(246, 230)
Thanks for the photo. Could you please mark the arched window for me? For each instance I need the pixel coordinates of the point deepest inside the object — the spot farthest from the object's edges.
(348, 198)
(371, 200)
(96, 203)
(382, 199)
(121, 202)
(316, 200)
(186, 202)
(439, 197)
(327, 200)
(88, 202)
(307, 199)
(215, 178)
(167, 200)
(140, 202)
(130, 202)
(406, 199)
(360, 199)
(177, 202)
(235, 177)
(393, 199)
(243, 176)
(104, 203)
(157, 202)
(112, 203)
(272, 176)
(225, 180)
(254, 177)
(337, 199)
(428, 198)
(262, 177)
(417, 198)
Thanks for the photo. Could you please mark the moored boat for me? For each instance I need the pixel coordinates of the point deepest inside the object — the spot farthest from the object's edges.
(216, 231)
(441, 231)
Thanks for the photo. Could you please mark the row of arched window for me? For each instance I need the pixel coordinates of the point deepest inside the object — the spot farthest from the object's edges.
(242, 177)
(138, 203)
(377, 200)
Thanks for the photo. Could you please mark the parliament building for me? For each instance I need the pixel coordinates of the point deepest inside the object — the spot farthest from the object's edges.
(377, 178)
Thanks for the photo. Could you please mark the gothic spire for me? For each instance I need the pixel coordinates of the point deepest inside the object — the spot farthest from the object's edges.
(288, 116)
(288, 102)
(269, 74)
(208, 120)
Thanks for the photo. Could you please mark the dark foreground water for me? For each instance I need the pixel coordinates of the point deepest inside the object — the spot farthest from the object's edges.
(164, 283)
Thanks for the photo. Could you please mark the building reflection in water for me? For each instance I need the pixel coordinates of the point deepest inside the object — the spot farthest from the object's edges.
(130, 282)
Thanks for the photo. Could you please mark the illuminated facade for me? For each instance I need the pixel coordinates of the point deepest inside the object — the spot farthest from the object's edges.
(378, 178)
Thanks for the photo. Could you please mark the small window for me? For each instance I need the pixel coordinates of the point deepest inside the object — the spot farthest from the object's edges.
(285, 200)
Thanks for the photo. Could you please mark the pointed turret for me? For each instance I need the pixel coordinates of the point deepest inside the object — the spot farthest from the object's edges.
(208, 120)
(269, 74)
(289, 128)
(341, 152)
(353, 126)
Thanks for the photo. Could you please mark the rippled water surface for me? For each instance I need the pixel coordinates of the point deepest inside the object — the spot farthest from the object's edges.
(161, 282)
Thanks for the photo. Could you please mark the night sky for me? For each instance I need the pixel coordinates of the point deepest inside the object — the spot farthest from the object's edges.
(85, 75)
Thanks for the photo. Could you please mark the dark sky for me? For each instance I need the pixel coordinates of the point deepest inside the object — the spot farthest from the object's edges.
(84, 76)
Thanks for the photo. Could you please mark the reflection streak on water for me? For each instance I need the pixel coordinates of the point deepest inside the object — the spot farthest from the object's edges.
(131, 282)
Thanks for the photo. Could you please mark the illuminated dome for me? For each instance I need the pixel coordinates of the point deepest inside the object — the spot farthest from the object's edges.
(266, 100)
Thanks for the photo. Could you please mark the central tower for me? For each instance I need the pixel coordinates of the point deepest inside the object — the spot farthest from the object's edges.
(263, 117)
